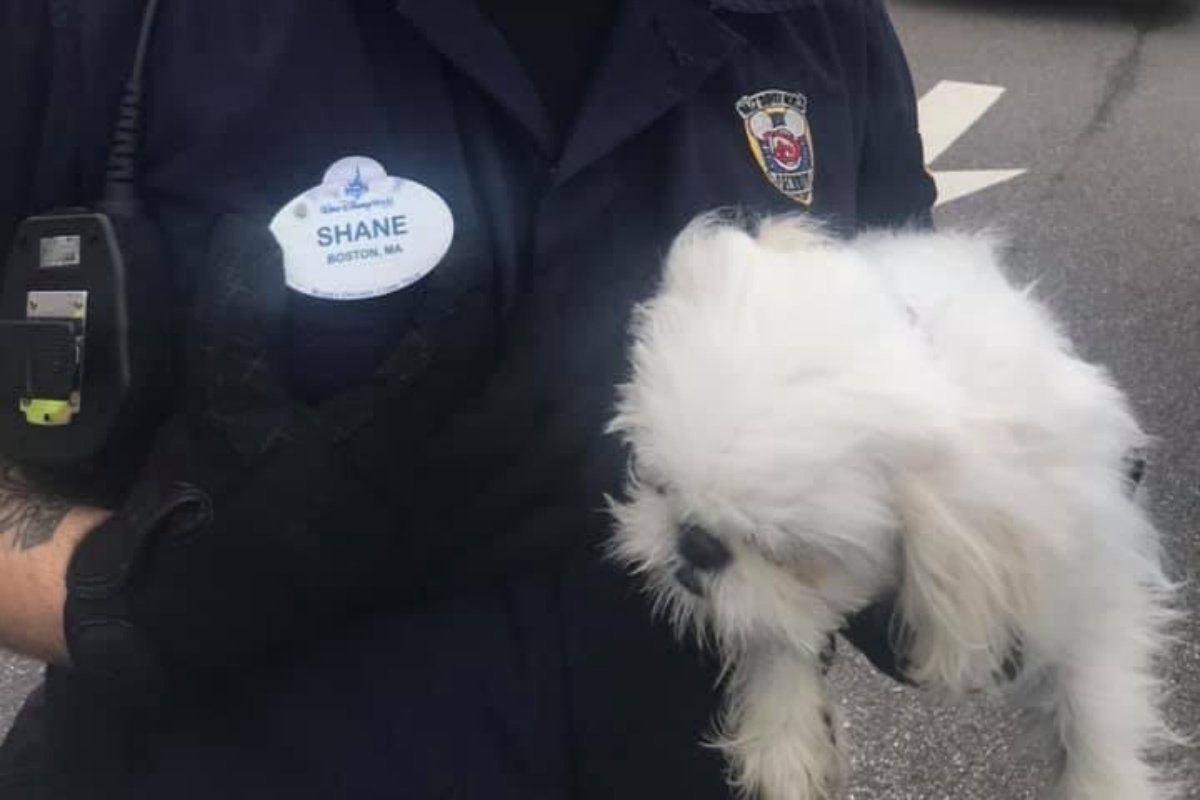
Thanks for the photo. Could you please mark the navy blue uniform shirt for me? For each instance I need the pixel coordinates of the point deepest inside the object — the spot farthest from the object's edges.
(248, 104)
(767, 106)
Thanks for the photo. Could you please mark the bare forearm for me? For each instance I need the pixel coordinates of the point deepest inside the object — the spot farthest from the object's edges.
(38, 533)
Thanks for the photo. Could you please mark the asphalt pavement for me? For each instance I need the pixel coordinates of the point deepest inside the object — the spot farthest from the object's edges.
(1101, 107)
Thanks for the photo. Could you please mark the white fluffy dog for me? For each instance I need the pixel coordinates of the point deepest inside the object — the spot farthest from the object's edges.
(813, 422)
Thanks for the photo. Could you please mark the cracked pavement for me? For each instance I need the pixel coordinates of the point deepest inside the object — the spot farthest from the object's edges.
(1103, 108)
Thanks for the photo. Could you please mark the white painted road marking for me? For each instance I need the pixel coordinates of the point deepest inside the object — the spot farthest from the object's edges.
(947, 112)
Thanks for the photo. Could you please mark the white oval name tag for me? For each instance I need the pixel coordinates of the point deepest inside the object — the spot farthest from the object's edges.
(362, 233)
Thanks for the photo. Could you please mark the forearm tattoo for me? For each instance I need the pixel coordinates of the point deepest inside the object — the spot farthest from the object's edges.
(28, 518)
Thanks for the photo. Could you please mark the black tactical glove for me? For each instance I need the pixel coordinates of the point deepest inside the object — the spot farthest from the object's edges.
(871, 632)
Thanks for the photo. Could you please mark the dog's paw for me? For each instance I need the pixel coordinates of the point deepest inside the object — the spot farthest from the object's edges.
(780, 729)
(792, 768)
(802, 761)
(1132, 780)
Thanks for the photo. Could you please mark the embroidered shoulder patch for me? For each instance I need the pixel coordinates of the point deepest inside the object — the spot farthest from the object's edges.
(780, 140)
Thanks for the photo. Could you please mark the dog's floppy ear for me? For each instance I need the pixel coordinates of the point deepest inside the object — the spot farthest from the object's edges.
(966, 577)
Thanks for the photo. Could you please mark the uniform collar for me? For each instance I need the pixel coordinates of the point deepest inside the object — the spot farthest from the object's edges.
(463, 35)
(660, 52)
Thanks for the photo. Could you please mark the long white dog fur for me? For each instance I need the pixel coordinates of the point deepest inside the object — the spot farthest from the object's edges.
(846, 417)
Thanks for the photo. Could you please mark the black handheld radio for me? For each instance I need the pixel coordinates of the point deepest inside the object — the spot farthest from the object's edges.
(76, 285)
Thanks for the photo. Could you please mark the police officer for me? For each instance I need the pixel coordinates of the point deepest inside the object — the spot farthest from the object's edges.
(361, 554)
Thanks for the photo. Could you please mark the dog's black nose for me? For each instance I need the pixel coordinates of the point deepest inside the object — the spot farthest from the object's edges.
(702, 550)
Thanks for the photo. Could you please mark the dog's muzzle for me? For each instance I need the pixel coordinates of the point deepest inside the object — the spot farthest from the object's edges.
(701, 553)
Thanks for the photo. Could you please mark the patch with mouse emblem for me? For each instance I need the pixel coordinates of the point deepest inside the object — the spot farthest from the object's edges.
(780, 140)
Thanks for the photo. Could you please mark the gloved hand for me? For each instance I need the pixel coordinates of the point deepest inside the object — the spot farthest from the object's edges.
(254, 523)
(871, 632)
